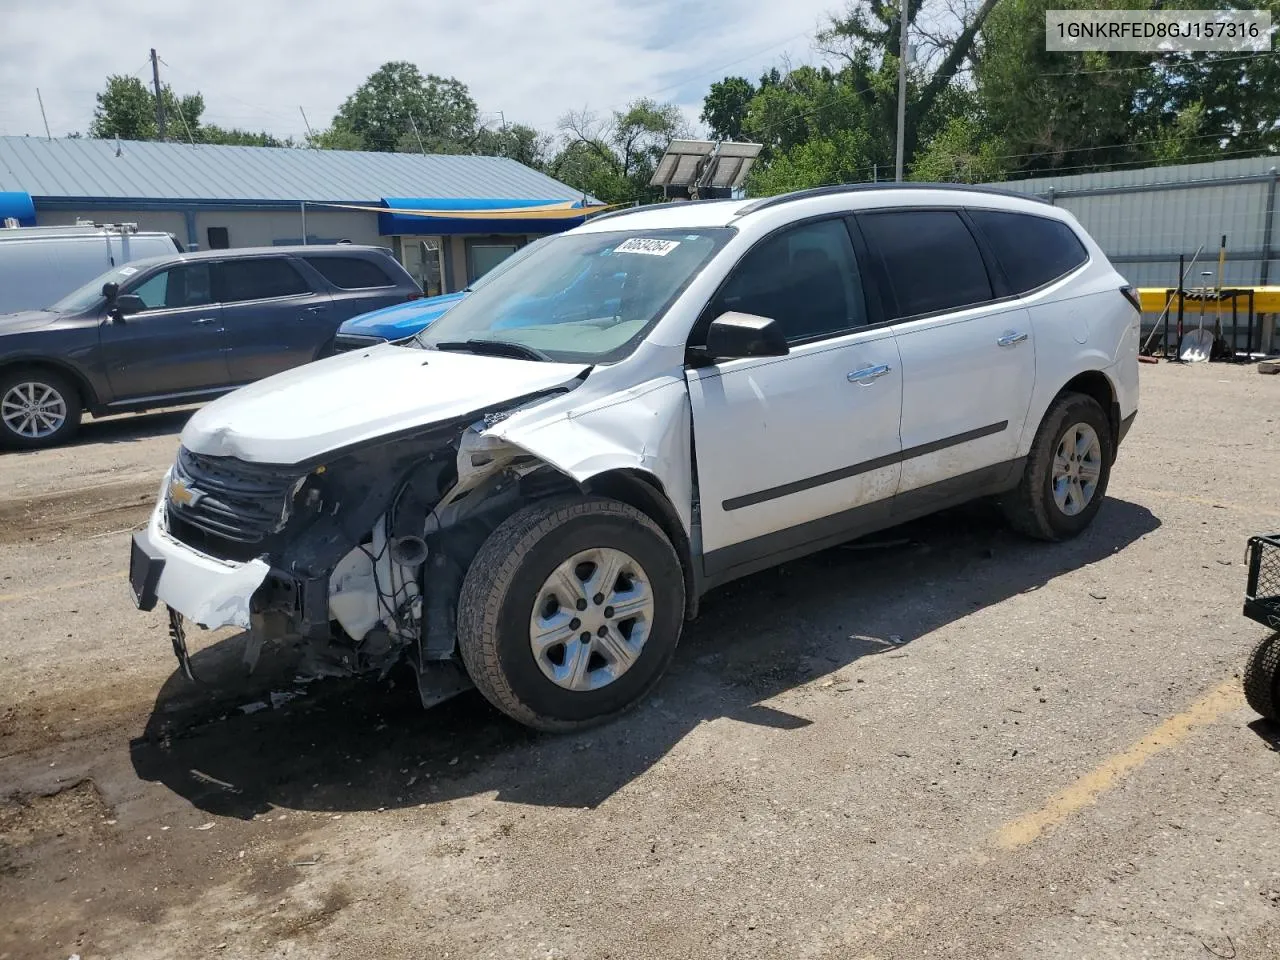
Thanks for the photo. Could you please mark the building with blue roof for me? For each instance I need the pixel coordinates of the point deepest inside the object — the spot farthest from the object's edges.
(447, 218)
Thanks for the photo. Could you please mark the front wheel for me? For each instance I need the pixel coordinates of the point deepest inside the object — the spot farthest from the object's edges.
(1066, 473)
(38, 408)
(570, 612)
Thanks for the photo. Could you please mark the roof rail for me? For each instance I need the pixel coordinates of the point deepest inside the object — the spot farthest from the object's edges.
(654, 206)
(765, 202)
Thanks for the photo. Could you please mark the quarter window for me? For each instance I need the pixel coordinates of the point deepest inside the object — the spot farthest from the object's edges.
(931, 258)
(350, 273)
(805, 279)
(1033, 251)
(250, 279)
(183, 286)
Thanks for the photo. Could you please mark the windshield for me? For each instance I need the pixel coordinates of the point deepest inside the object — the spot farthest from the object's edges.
(506, 264)
(83, 298)
(581, 297)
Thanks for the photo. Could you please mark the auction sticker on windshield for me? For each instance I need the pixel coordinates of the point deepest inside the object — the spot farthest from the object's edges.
(652, 247)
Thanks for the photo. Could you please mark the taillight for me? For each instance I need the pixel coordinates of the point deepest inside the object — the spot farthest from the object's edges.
(1131, 295)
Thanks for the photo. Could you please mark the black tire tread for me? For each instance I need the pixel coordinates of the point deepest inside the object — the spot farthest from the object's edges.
(1024, 509)
(489, 578)
(1262, 677)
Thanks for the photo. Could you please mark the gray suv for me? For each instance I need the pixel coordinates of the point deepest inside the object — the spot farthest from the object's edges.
(182, 329)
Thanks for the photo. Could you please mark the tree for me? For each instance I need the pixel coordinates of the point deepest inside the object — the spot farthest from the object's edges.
(725, 108)
(516, 142)
(126, 108)
(397, 108)
(614, 158)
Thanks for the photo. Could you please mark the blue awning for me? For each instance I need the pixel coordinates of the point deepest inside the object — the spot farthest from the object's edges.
(18, 206)
(541, 218)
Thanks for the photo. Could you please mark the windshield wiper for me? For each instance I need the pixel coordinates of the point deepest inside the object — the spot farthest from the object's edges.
(496, 348)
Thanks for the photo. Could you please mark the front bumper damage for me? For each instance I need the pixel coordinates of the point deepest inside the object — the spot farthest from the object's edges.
(358, 560)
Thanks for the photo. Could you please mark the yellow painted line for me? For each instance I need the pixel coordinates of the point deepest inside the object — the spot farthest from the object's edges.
(58, 588)
(1222, 699)
(1205, 501)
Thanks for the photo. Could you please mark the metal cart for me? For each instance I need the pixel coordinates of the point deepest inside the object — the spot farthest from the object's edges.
(1262, 603)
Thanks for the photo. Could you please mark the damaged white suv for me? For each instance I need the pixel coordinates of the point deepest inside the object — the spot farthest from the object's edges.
(533, 494)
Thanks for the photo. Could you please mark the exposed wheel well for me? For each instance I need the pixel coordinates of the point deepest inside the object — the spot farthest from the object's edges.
(87, 398)
(646, 494)
(1094, 383)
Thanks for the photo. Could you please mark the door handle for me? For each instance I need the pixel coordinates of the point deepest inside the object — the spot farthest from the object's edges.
(206, 320)
(1009, 339)
(867, 374)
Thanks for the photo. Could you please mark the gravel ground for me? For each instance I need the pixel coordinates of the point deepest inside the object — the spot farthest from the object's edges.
(956, 743)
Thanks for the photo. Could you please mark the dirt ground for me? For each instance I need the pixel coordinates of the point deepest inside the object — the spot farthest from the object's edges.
(950, 743)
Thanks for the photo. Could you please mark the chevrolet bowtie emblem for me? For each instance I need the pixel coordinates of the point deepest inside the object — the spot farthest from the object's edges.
(183, 495)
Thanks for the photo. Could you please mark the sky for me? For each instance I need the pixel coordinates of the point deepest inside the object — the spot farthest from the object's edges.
(257, 62)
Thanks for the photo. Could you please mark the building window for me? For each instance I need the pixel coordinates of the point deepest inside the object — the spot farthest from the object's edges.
(218, 238)
(484, 255)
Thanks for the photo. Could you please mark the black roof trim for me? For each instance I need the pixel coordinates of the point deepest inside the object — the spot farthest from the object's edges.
(765, 202)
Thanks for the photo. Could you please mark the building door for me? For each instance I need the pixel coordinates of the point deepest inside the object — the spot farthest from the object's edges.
(421, 256)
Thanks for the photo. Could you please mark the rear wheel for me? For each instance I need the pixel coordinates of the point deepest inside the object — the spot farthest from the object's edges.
(38, 408)
(1066, 473)
(570, 612)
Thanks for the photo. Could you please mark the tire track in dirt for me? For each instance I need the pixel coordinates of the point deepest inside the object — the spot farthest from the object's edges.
(115, 505)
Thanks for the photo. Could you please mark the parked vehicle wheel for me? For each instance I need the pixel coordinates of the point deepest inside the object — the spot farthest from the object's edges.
(1262, 677)
(571, 612)
(38, 408)
(1065, 477)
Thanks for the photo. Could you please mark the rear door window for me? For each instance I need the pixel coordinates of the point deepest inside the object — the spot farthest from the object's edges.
(1033, 251)
(181, 286)
(351, 273)
(931, 259)
(260, 279)
(805, 279)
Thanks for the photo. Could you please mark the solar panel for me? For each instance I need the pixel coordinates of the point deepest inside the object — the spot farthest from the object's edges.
(689, 164)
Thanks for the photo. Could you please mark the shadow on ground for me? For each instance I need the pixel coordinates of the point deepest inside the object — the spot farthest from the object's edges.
(357, 746)
(127, 428)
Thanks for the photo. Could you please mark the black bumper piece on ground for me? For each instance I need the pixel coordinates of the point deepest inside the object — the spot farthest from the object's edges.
(144, 572)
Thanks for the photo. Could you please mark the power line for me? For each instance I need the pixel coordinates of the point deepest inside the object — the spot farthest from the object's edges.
(1153, 66)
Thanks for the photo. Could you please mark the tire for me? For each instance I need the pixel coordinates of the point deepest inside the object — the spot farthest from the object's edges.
(57, 398)
(512, 573)
(1033, 507)
(1262, 677)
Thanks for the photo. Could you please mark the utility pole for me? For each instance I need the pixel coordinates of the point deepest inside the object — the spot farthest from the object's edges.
(310, 133)
(47, 134)
(155, 79)
(902, 89)
(417, 135)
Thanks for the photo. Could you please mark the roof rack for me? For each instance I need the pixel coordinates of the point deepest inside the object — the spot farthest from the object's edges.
(766, 202)
(655, 206)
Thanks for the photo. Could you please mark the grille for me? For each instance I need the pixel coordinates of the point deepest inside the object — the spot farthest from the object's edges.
(1262, 598)
(350, 341)
(233, 508)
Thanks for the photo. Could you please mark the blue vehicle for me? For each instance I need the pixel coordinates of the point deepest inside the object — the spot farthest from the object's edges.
(403, 320)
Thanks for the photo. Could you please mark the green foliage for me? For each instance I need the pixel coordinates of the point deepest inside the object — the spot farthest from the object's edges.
(398, 108)
(613, 159)
(127, 109)
(725, 108)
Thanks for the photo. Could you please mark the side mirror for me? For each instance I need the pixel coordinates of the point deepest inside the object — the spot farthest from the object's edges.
(126, 304)
(733, 335)
(110, 291)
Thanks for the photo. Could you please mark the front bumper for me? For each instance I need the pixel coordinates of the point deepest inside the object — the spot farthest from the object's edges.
(206, 590)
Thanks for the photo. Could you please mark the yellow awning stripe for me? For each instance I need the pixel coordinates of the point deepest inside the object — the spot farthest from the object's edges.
(550, 211)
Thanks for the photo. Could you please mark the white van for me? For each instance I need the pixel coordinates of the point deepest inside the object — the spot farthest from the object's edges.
(40, 265)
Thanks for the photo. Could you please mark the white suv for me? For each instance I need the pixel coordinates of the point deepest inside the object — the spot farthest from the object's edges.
(533, 494)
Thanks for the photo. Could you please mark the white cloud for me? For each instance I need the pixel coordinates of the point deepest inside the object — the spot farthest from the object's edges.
(256, 63)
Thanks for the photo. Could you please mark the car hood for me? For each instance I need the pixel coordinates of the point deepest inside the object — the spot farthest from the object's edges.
(401, 319)
(26, 320)
(355, 397)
